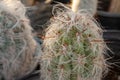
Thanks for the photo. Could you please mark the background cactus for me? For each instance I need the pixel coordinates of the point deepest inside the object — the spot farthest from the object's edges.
(18, 49)
(89, 5)
(73, 47)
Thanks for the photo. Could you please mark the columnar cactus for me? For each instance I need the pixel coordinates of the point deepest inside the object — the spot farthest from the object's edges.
(73, 47)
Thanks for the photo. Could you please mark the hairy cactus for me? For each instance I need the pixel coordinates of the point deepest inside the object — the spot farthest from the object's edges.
(73, 47)
(17, 44)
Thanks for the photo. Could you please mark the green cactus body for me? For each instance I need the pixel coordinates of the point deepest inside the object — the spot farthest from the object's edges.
(73, 48)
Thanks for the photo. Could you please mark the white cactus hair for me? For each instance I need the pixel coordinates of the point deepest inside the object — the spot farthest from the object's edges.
(17, 44)
(66, 34)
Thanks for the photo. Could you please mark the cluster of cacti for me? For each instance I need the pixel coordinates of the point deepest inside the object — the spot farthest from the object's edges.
(73, 47)
(17, 44)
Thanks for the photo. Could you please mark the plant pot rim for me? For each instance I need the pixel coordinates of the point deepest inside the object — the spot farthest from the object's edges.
(108, 14)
